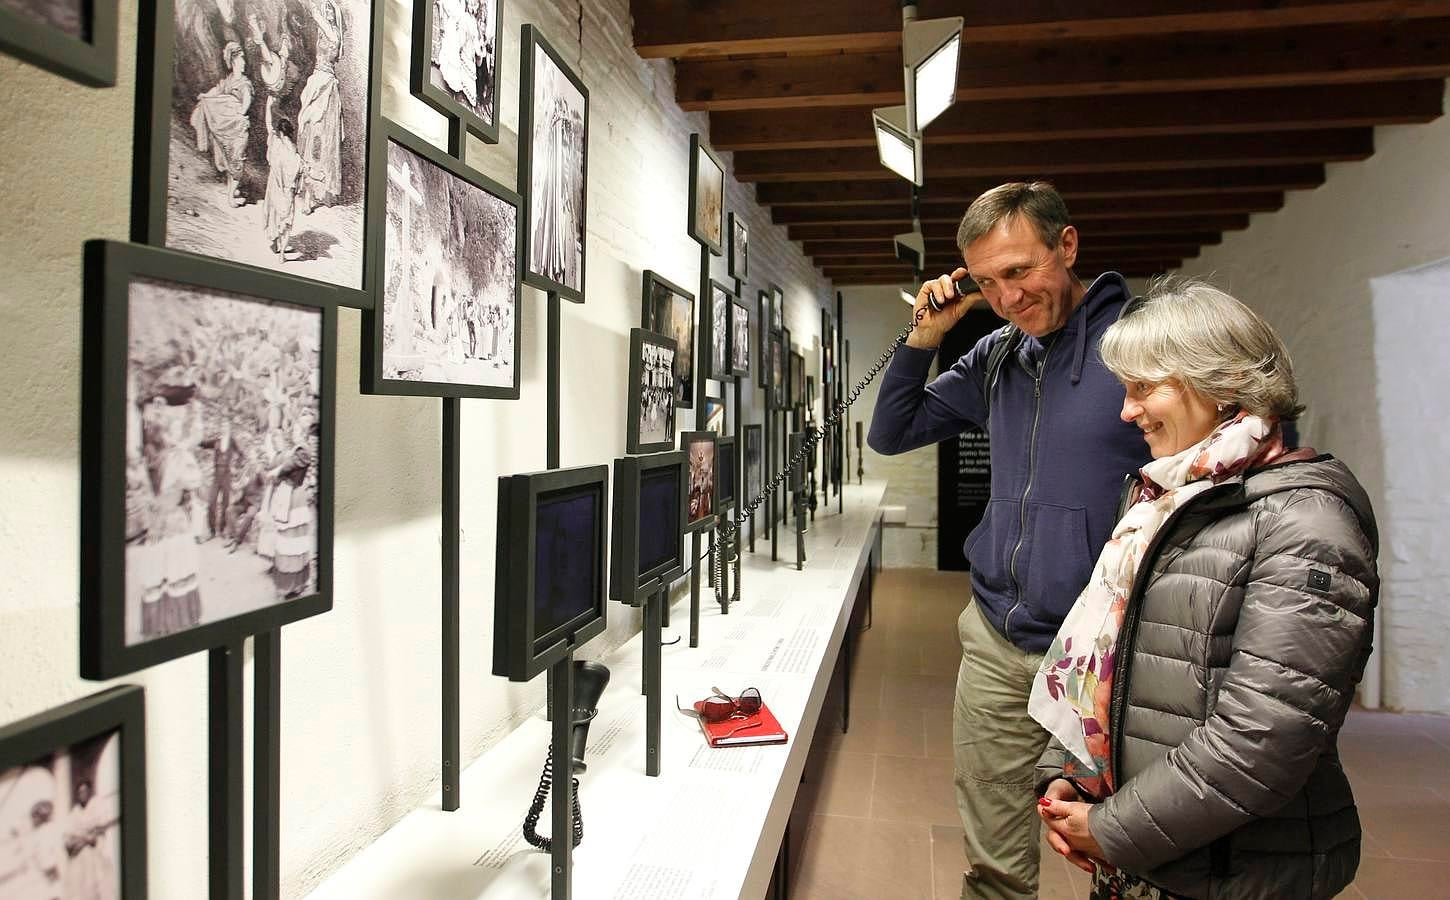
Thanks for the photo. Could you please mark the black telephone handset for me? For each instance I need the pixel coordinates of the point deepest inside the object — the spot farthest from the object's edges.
(590, 679)
(963, 286)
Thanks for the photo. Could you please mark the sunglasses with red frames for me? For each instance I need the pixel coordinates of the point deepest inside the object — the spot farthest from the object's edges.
(720, 706)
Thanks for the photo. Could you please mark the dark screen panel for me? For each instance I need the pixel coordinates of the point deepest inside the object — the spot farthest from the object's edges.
(659, 517)
(566, 556)
(727, 472)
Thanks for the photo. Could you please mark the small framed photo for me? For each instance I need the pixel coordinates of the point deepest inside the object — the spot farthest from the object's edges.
(775, 390)
(738, 263)
(699, 448)
(550, 585)
(73, 800)
(787, 349)
(651, 411)
(763, 329)
(206, 454)
(707, 197)
(445, 322)
(827, 350)
(797, 379)
(777, 308)
(715, 415)
(455, 61)
(648, 547)
(668, 309)
(554, 164)
(727, 468)
(717, 332)
(740, 347)
(753, 439)
(73, 38)
(253, 123)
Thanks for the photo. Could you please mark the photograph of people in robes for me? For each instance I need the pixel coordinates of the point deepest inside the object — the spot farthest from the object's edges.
(672, 314)
(60, 824)
(739, 338)
(463, 58)
(656, 394)
(709, 198)
(720, 302)
(222, 444)
(268, 138)
(449, 283)
(701, 455)
(556, 154)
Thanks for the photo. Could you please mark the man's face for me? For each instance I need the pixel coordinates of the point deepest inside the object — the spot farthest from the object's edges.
(1024, 282)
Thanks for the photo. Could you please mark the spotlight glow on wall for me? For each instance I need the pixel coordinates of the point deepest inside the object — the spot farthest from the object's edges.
(908, 296)
(931, 52)
(899, 151)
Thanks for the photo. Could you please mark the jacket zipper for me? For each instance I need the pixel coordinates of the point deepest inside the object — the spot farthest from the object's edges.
(1031, 477)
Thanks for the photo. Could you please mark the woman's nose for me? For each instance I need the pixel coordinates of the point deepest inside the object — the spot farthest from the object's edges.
(1130, 411)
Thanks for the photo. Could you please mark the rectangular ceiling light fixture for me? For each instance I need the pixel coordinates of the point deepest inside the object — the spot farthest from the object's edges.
(900, 152)
(911, 249)
(931, 51)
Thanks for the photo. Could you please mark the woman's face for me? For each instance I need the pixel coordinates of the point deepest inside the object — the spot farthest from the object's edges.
(1171, 416)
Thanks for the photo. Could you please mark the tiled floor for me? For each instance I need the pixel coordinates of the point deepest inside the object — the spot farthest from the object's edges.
(885, 824)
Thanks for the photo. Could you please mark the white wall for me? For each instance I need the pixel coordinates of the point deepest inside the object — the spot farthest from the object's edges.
(360, 691)
(1316, 269)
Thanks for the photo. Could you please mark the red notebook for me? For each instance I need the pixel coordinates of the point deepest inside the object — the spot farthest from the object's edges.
(761, 728)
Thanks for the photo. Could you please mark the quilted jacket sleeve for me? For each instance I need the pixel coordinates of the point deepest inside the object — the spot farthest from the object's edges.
(1300, 646)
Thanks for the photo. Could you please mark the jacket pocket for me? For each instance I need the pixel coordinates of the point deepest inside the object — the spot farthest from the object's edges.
(1053, 564)
(988, 546)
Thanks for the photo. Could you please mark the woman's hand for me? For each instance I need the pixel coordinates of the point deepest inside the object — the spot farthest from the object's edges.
(1067, 825)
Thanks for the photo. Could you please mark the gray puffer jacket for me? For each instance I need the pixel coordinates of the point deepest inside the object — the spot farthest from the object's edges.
(1248, 628)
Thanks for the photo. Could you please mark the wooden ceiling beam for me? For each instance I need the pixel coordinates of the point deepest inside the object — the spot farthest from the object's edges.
(937, 261)
(1079, 118)
(1073, 187)
(1182, 244)
(1110, 226)
(891, 277)
(1053, 158)
(703, 28)
(1082, 210)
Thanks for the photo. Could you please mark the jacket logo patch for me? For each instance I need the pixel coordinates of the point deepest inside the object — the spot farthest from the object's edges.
(1318, 581)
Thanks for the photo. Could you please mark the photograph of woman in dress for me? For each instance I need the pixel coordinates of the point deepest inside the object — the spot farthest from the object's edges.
(556, 154)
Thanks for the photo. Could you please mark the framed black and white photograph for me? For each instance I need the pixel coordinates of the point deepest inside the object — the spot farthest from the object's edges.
(762, 330)
(73, 38)
(668, 309)
(706, 222)
(206, 454)
(827, 351)
(253, 123)
(455, 61)
(699, 448)
(73, 800)
(727, 469)
(550, 580)
(554, 165)
(797, 379)
(716, 326)
(775, 390)
(777, 308)
(647, 550)
(738, 262)
(787, 401)
(739, 338)
(445, 323)
(651, 410)
(714, 415)
(751, 457)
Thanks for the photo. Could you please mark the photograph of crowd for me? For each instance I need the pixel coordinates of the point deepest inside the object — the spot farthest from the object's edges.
(655, 387)
(450, 277)
(670, 311)
(60, 824)
(739, 259)
(707, 197)
(719, 331)
(463, 58)
(268, 134)
(700, 453)
(556, 148)
(222, 444)
(739, 338)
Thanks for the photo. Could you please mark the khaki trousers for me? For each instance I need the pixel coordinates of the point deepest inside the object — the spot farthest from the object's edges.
(996, 745)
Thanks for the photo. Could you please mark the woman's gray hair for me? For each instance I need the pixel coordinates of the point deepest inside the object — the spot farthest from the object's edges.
(1188, 331)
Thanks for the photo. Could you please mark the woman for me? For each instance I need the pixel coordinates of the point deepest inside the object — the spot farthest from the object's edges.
(1196, 690)
(319, 122)
(220, 122)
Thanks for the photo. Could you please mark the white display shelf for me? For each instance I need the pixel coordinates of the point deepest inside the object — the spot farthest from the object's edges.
(709, 827)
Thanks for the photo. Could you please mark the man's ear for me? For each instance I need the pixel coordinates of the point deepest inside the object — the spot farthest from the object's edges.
(1067, 244)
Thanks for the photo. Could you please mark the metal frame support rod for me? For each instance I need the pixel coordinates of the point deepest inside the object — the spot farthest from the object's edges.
(561, 853)
(652, 658)
(695, 589)
(267, 765)
(551, 430)
(224, 772)
(452, 526)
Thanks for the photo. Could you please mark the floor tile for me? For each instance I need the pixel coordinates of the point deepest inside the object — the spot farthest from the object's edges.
(947, 862)
(864, 859)
(887, 653)
(1398, 879)
(1394, 758)
(866, 690)
(1407, 821)
(843, 787)
(931, 692)
(899, 732)
(938, 732)
(914, 790)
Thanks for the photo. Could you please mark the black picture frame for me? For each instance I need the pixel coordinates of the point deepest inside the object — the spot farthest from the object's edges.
(520, 652)
(738, 263)
(90, 60)
(150, 168)
(686, 368)
(701, 153)
(638, 338)
(110, 269)
(775, 388)
(120, 711)
(727, 474)
(827, 353)
(753, 447)
(741, 346)
(421, 82)
(720, 294)
(788, 348)
(762, 331)
(530, 39)
(628, 582)
(777, 307)
(688, 441)
(714, 418)
(372, 376)
(797, 379)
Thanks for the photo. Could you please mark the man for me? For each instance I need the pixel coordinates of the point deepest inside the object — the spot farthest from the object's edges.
(1059, 454)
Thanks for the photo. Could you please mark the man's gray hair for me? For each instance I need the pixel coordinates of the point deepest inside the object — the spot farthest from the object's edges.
(1039, 201)
(1188, 331)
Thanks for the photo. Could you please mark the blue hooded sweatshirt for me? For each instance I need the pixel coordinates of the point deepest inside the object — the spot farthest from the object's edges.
(1059, 454)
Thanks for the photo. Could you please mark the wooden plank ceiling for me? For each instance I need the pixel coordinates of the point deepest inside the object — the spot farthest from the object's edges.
(1164, 123)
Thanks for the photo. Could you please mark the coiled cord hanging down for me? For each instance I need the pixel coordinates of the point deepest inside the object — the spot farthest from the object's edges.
(730, 528)
(531, 821)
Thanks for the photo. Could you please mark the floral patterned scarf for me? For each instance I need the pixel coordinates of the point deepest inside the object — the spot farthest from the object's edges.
(1074, 685)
